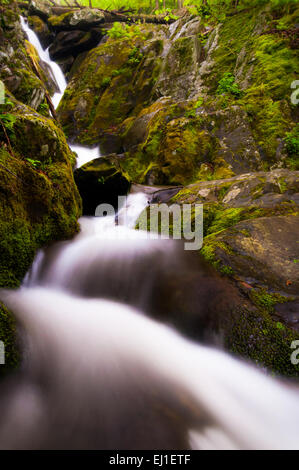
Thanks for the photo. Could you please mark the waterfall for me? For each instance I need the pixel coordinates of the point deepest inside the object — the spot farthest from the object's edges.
(94, 367)
(45, 57)
(85, 154)
(99, 373)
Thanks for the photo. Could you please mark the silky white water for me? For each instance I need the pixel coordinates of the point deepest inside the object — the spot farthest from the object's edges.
(45, 57)
(85, 154)
(101, 375)
(98, 373)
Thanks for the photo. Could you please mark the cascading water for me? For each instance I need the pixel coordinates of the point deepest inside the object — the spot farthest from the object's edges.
(85, 154)
(45, 57)
(101, 375)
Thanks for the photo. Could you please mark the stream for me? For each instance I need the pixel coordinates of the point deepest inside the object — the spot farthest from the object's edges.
(98, 373)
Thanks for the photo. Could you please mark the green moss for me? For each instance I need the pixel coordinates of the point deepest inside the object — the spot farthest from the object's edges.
(264, 66)
(217, 217)
(9, 338)
(38, 205)
(254, 334)
(267, 300)
(208, 251)
(59, 20)
(36, 23)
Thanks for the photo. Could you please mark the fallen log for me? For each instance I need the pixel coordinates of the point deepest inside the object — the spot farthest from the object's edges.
(112, 16)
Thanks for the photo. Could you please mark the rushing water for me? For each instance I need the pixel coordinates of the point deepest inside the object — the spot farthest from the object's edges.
(85, 154)
(45, 57)
(100, 374)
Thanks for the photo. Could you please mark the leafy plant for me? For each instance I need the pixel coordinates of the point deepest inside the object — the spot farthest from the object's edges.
(8, 120)
(167, 13)
(106, 82)
(227, 84)
(124, 31)
(292, 141)
(35, 163)
(38, 165)
(43, 109)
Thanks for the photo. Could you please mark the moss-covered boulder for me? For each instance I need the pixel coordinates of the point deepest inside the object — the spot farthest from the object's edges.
(250, 235)
(100, 182)
(113, 80)
(181, 107)
(263, 251)
(39, 201)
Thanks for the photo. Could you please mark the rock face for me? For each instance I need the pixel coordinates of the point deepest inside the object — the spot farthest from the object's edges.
(250, 227)
(263, 251)
(16, 70)
(39, 201)
(176, 105)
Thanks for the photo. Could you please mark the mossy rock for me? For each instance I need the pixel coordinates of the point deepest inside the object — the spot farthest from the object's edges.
(114, 81)
(39, 202)
(16, 68)
(41, 8)
(8, 336)
(263, 251)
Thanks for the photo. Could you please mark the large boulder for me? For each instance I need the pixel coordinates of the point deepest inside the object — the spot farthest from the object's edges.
(72, 43)
(263, 251)
(78, 19)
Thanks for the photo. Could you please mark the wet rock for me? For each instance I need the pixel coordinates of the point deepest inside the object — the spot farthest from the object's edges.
(263, 250)
(72, 43)
(259, 189)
